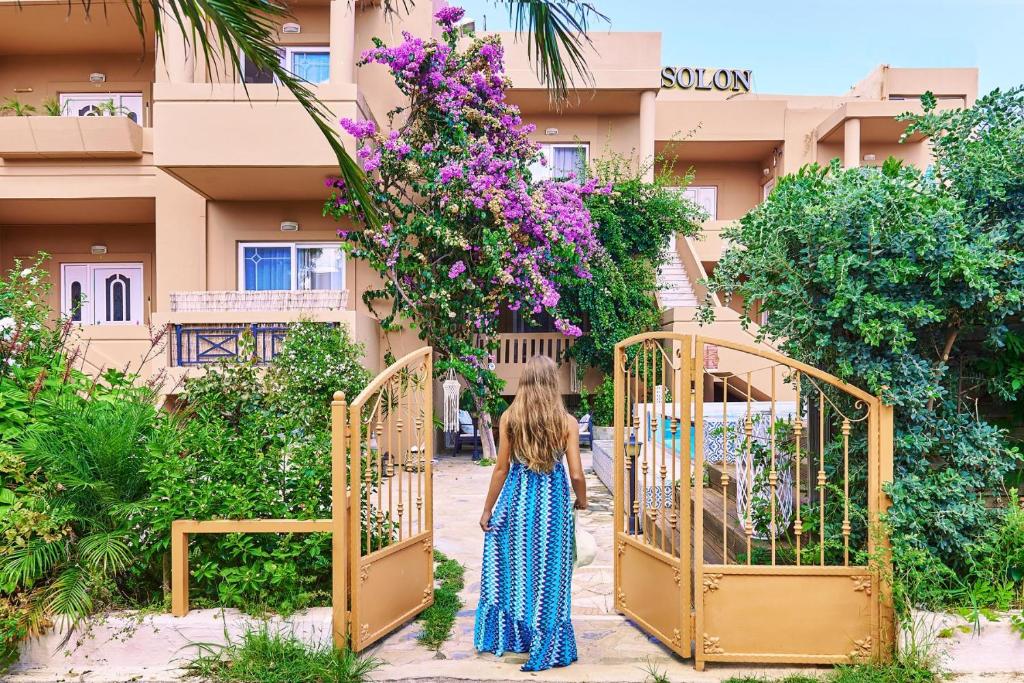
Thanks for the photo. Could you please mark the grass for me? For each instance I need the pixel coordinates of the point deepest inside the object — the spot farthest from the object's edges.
(267, 657)
(856, 673)
(439, 619)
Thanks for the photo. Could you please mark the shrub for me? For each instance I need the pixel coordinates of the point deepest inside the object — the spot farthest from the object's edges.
(255, 444)
(71, 448)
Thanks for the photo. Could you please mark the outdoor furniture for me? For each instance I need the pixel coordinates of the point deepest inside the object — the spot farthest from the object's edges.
(587, 431)
(467, 433)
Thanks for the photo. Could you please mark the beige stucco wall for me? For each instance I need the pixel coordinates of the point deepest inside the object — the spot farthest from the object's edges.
(70, 244)
(49, 75)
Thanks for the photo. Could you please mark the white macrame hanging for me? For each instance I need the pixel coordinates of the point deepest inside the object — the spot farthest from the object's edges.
(575, 381)
(450, 401)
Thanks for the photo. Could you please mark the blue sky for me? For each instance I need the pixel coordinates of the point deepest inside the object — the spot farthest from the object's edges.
(819, 46)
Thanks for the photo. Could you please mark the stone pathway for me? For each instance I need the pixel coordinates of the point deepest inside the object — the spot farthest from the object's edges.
(610, 647)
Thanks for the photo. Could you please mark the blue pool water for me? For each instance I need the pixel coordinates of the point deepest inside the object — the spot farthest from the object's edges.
(673, 440)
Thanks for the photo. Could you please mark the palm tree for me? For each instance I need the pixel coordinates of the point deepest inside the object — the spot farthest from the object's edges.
(557, 34)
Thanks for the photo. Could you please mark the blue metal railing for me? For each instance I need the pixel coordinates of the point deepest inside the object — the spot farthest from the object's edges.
(196, 344)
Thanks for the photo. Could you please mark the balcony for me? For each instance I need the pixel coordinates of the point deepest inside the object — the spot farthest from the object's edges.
(70, 137)
(205, 327)
(516, 348)
(234, 144)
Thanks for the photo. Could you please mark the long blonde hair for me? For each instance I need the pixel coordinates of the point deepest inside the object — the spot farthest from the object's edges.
(536, 421)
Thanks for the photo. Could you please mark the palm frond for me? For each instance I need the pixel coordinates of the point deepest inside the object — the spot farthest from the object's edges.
(221, 31)
(106, 552)
(68, 596)
(557, 36)
(27, 564)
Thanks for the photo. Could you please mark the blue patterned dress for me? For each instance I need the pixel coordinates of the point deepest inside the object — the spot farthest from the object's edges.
(526, 580)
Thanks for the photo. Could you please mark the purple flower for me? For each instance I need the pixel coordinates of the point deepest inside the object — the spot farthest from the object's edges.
(457, 269)
(448, 16)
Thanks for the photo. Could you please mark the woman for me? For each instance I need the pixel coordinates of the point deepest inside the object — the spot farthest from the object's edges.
(526, 580)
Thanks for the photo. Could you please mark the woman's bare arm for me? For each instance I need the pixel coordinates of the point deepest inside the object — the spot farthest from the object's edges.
(497, 476)
(572, 456)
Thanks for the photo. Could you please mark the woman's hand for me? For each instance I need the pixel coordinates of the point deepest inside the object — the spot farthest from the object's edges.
(581, 504)
(485, 520)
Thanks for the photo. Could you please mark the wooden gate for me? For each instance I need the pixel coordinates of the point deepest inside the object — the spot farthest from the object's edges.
(391, 552)
(782, 466)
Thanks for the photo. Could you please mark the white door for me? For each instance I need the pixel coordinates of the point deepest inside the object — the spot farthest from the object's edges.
(101, 293)
(103, 104)
(117, 293)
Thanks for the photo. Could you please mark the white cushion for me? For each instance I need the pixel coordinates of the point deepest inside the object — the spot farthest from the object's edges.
(467, 430)
(585, 424)
(464, 418)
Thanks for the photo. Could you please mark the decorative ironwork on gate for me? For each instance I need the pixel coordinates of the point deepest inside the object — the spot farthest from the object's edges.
(391, 559)
(782, 465)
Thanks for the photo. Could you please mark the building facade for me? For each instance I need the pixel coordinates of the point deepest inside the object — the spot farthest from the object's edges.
(176, 198)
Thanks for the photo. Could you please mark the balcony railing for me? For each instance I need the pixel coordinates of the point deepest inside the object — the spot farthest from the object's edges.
(274, 300)
(197, 344)
(515, 348)
(207, 326)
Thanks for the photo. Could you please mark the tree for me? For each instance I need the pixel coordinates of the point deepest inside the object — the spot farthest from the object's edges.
(557, 31)
(466, 233)
(900, 281)
(635, 222)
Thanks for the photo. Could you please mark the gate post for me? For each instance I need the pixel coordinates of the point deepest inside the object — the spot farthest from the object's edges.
(339, 524)
(887, 613)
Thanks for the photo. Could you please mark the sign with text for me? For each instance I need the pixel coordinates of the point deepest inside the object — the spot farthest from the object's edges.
(699, 78)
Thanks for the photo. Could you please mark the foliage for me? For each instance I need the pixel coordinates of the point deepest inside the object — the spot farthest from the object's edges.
(466, 234)
(15, 107)
(255, 444)
(264, 656)
(439, 619)
(600, 404)
(881, 277)
(634, 222)
(70, 452)
(52, 106)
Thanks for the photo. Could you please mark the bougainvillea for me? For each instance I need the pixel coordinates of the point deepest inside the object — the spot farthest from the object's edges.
(466, 232)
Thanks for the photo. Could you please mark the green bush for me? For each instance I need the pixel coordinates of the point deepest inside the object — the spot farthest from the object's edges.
(71, 449)
(267, 657)
(255, 443)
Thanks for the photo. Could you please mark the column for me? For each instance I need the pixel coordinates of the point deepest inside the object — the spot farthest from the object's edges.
(174, 58)
(851, 143)
(180, 240)
(647, 99)
(343, 41)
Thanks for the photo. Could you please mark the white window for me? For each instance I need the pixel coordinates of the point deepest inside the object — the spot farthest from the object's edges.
(102, 104)
(102, 293)
(706, 197)
(311, 64)
(264, 266)
(561, 161)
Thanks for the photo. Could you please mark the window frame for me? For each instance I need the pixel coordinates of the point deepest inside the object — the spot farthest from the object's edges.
(285, 60)
(548, 150)
(294, 276)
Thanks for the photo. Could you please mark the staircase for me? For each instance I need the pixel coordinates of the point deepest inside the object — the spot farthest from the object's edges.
(674, 288)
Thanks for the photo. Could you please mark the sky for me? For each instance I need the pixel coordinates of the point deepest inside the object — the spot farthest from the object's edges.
(818, 47)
